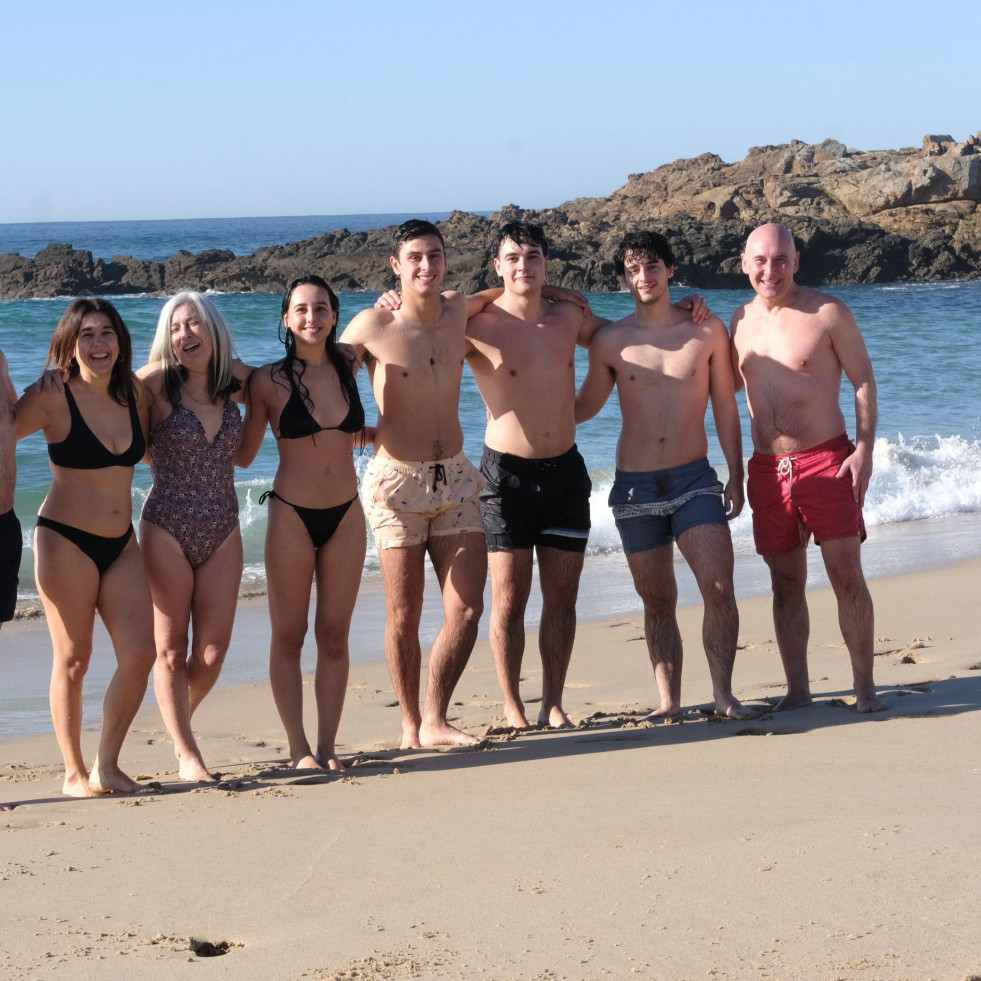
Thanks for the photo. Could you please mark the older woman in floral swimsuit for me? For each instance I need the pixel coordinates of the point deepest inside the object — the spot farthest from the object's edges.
(189, 530)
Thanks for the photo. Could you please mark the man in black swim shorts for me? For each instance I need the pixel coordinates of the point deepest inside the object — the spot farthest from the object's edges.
(666, 367)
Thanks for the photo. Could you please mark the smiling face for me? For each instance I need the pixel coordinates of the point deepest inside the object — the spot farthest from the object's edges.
(646, 277)
(770, 260)
(421, 265)
(97, 346)
(189, 338)
(521, 266)
(310, 316)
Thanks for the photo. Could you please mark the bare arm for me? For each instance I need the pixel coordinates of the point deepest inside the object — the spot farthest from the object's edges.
(726, 414)
(737, 376)
(596, 387)
(33, 412)
(256, 418)
(853, 355)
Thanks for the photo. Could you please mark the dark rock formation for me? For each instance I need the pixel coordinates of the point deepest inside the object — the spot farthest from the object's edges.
(859, 217)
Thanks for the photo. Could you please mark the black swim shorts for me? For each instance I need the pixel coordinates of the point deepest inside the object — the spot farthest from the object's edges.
(526, 503)
(11, 544)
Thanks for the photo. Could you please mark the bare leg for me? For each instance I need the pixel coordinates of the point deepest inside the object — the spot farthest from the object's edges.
(708, 551)
(404, 573)
(127, 612)
(68, 583)
(339, 565)
(843, 561)
(788, 576)
(558, 574)
(461, 567)
(653, 573)
(289, 572)
(510, 588)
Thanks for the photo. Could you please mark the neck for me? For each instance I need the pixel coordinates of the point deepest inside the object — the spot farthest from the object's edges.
(524, 306)
(424, 308)
(658, 314)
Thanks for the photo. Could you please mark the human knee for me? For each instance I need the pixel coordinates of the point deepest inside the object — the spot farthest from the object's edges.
(173, 655)
(465, 612)
(718, 592)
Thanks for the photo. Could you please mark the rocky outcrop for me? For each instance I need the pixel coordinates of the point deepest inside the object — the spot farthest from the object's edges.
(859, 217)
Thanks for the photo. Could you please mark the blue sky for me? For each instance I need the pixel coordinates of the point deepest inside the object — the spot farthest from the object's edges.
(221, 109)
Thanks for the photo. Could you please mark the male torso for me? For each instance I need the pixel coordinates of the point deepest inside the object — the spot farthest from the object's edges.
(525, 369)
(662, 378)
(791, 370)
(415, 362)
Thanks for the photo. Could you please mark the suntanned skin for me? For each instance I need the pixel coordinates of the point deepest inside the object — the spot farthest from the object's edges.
(790, 346)
(666, 368)
(100, 502)
(523, 360)
(414, 357)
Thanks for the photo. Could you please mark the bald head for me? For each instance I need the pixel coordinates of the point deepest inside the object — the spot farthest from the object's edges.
(770, 259)
(771, 234)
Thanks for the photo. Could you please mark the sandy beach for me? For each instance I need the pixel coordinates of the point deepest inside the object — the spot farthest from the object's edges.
(847, 850)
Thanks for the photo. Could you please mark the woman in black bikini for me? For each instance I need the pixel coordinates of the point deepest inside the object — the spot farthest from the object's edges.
(316, 526)
(86, 555)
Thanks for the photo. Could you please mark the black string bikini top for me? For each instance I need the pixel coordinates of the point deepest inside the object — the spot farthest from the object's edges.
(81, 449)
(296, 420)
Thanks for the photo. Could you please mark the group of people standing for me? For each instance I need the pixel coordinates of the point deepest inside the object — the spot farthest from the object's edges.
(169, 602)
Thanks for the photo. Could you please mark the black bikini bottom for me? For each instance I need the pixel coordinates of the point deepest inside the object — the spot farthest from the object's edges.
(320, 523)
(101, 550)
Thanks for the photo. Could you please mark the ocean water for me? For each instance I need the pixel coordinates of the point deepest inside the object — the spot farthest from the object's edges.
(923, 507)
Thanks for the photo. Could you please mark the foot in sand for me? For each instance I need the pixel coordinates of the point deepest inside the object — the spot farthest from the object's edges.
(665, 712)
(555, 718)
(793, 700)
(109, 780)
(443, 734)
(869, 701)
(7, 807)
(193, 770)
(515, 715)
(330, 761)
(306, 762)
(729, 707)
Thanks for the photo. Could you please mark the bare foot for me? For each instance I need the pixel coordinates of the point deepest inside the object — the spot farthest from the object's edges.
(109, 780)
(443, 734)
(193, 770)
(515, 715)
(555, 718)
(410, 738)
(869, 702)
(729, 707)
(330, 761)
(793, 701)
(7, 807)
(666, 712)
(307, 762)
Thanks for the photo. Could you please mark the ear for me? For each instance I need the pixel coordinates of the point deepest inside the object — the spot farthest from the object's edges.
(670, 272)
(394, 263)
(796, 261)
(497, 265)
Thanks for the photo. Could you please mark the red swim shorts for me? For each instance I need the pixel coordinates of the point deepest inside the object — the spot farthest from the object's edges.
(797, 495)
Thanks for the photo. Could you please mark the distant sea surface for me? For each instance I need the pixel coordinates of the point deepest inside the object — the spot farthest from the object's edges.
(159, 240)
(924, 502)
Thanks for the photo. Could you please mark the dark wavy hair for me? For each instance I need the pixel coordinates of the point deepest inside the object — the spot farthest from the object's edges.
(647, 245)
(64, 342)
(414, 228)
(521, 233)
(292, 367)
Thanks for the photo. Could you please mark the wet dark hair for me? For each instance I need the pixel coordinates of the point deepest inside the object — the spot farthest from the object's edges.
(285, 368)
(414, 228)
(521, 233)
(64, 341)
(646, 245)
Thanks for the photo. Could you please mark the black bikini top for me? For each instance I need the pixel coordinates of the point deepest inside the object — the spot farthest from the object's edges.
(296, 420)
(81, 449)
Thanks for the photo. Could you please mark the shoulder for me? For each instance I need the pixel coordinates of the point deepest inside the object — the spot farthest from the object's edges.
(366, 323)
(151, 377)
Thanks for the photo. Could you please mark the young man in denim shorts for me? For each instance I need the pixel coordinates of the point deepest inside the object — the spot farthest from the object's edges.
(790, 346)
(666, 368)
